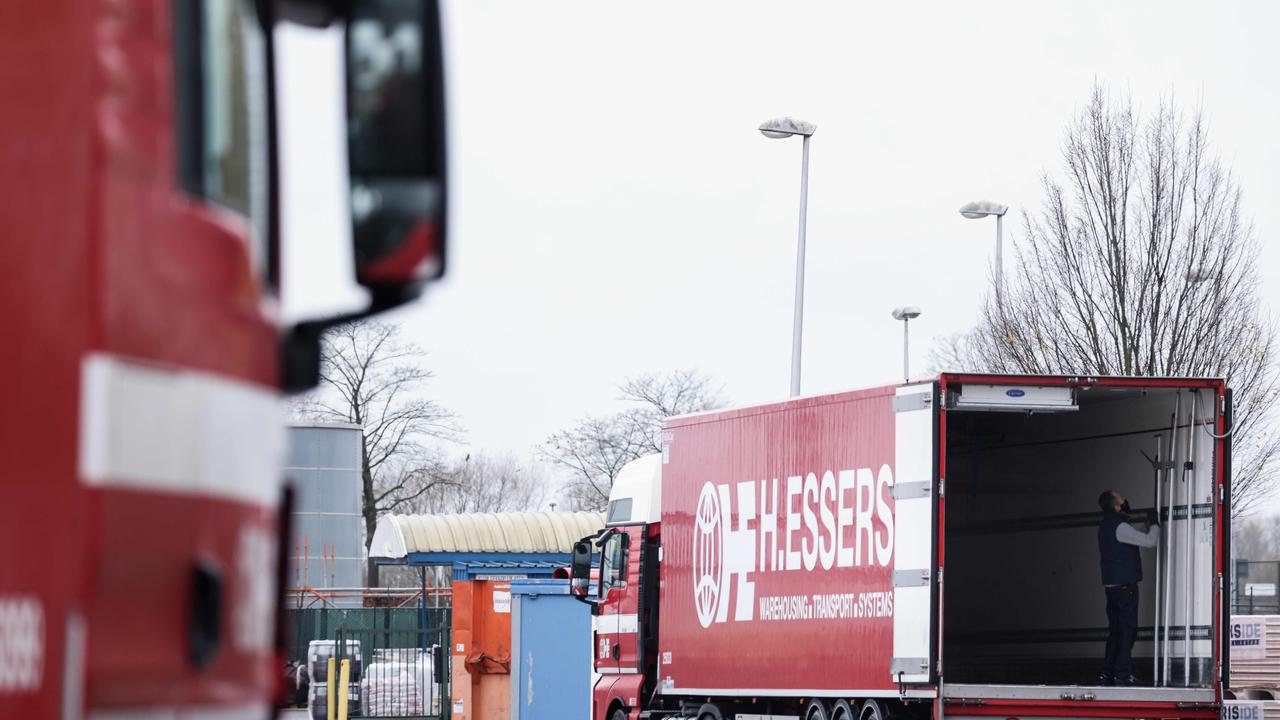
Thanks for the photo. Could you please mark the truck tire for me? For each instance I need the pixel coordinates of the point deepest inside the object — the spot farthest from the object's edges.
(619, 714)
(871, 710)
(710, 711)
(817, 710)
(842, 710)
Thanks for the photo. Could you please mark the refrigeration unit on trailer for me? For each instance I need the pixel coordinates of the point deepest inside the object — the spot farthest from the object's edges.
(925, 549)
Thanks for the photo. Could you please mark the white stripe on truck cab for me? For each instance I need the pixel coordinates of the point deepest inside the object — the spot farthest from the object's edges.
(181, 431)
(628, 623)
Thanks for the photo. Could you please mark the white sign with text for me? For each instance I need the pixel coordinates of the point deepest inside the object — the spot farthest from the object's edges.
(1248, 635)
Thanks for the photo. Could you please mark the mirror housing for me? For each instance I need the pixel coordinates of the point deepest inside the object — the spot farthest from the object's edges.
(308, 13)
(395, 146)
(395, 111)
(604, 536)
(580, 569)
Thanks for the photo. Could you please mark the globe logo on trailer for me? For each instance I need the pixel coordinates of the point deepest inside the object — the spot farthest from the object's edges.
(708, 555)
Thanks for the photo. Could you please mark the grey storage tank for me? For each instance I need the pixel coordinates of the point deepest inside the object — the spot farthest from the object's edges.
(327, 545)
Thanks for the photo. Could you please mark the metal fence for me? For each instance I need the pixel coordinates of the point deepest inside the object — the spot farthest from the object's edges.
(1255, 587)
(400, 656)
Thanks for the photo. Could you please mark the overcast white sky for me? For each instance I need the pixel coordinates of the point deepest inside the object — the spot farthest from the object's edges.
(615, 211)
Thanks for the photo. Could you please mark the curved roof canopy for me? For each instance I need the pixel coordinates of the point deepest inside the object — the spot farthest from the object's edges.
(397, 536)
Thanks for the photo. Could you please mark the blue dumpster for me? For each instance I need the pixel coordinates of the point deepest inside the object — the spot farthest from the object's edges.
(551, 652)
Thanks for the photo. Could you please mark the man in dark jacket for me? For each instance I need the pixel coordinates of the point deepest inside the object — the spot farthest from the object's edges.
(1118, 544)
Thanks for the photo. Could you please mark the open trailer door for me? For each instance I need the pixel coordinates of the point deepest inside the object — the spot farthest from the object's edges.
(915, 493)
(1025, 460)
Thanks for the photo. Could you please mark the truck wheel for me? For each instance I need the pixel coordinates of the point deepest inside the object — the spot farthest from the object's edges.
(817, 710)
(710, 711)
(842, 710)
(619, 714)
(871, 710)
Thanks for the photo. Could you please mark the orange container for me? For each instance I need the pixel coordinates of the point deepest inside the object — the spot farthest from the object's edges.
(481, 669)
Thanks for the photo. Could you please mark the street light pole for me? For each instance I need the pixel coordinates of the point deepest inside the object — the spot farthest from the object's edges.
(906, 314)
(780, 128)
(906, 349)
(1000, 252)
(985, 208)
(797, 322)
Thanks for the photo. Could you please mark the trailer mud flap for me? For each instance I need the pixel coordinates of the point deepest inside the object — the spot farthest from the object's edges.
(915, 493)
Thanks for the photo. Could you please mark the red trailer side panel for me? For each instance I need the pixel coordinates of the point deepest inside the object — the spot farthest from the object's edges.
(778, 540)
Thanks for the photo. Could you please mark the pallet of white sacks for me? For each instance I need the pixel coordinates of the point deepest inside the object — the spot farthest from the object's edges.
(1255, 652)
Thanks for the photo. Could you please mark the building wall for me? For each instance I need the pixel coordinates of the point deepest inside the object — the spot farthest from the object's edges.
(324, 466)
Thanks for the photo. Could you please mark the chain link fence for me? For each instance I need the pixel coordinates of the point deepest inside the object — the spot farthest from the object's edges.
(399, 657)
(1255, 587)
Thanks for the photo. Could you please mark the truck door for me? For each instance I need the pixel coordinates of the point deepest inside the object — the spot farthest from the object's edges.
(915, 492)
(616, 638)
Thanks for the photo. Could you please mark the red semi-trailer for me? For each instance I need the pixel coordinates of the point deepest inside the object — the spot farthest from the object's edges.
(924, 549)
(141, 502)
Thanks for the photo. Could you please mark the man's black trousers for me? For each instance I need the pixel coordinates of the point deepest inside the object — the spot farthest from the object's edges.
(1122, 629)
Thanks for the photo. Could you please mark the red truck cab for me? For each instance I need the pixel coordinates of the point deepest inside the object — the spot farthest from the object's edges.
(625, 614)
(140, 511)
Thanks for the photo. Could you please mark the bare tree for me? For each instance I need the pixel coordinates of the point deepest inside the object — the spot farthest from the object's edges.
(595, 449)
(955, 353)
(677, 393)
(592, 453)
(1256, 539)
(372, 378)
(481, 482)
(1140, 262)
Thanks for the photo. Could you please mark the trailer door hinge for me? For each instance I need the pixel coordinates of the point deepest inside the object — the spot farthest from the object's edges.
(910, 578)
(911, 490)
(912, 402)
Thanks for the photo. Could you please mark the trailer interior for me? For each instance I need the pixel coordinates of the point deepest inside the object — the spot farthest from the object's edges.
(1023, 602)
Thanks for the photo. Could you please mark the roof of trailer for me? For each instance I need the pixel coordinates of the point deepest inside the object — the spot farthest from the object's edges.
(890, 388)
(396, 536)
(1081, 379)
(778, 405)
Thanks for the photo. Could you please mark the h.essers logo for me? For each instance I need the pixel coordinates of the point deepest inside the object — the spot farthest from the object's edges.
(841, 519)
(708, 554)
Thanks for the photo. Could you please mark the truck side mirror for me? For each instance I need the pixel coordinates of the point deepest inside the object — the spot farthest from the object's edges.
(395, 155)
(396, 146)
(580, 569)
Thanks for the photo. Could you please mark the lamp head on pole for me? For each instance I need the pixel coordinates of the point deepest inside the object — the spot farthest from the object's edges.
(785, 127)
(906, 312)
(983, 208)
